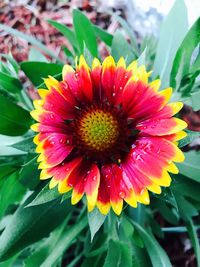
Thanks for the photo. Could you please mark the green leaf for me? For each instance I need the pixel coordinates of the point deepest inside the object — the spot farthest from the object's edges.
(168, 197)
(186, 209)
(195, 99)
(158, 256)
(95, 220)
(142, 58)
(12, 61)
(191, 167)
(25, 145)
(84, 32)
(44, 196)
(103, 35)
(120, 47)
(64, 242)
(29, 39)
(68, 33)
(182, 60)
(29, 225)
(169, 40)
(35, 55)
(46, 247)
(186, 187)
(194, 239)
(11, 192)
(9, 83)
(14, 119)
(36, 71)
(169, 214)
(191, 136)
(128, 30)
(119, 254)
(29, 173)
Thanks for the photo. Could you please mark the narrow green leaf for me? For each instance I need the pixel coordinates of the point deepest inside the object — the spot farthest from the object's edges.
(103, 35)
(29, 225)
(11, 192)
(29, 39)
(128, 30)
(191, 136)
(25, 145)
(64, 242)
(29, 173)
(95, 220)
(119, 254)
(12, 61)
(191, 167)
(46, 246)
(158, 256)
(84, 32)
(177, 229)
(195, 99)
(120, 47)
(67, 32)
(14, 119)
(184, 54)
(36, 71)
(186, 187)
(169, 43)
(186, 209)
(142, 58)
(44, 196)
(194, 240)
(9, 83)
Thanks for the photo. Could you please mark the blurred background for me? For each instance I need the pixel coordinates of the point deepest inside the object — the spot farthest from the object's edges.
(145, 18)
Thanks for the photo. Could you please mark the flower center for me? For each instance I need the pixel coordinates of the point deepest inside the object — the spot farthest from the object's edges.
(98, 129)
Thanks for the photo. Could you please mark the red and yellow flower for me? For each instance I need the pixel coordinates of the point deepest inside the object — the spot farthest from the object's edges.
(108, 133)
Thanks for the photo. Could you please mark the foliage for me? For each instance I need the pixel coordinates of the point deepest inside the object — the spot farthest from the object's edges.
(38, 226)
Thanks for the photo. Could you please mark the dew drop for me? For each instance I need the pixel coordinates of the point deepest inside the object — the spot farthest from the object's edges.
(52, 116)
(122, 194)
(52, 142)
(70, 184)
(94, 178)
(142, 191)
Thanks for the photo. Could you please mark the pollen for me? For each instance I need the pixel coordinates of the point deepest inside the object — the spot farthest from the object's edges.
(98, 130)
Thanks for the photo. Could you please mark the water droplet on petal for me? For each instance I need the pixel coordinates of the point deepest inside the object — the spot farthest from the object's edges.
(52, 116)
(122, 194)
(94, 178)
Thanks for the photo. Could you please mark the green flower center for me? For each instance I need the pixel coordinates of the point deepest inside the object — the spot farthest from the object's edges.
(98, 129)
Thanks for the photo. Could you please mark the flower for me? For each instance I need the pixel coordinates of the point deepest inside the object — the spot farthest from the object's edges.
(108, 133)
